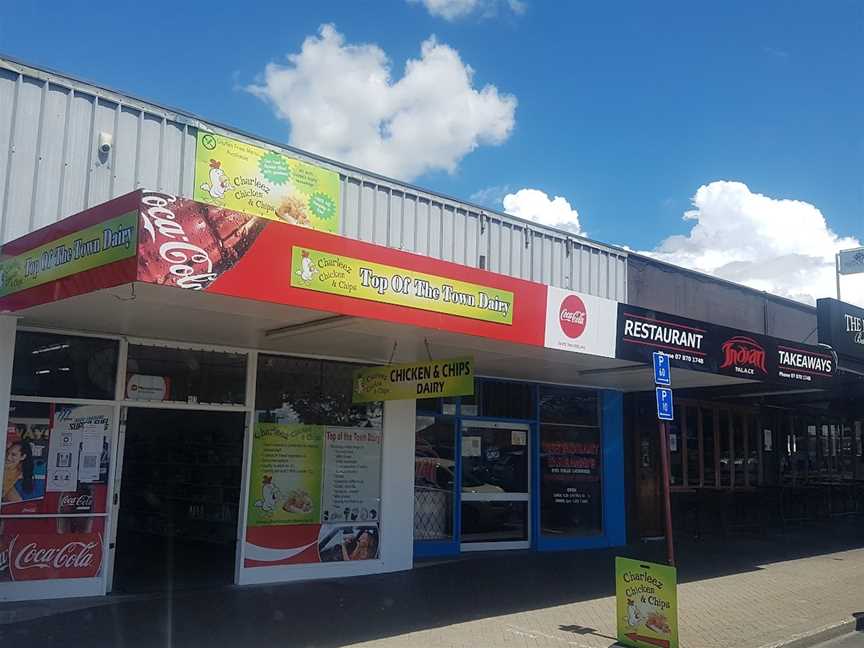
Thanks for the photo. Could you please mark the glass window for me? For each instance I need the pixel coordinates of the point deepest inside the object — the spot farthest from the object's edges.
(500, 399)
(314, 392)
(315, 460)
(67, 366)
(185, 375)
(570, 487)
(725, 438)
(57, 458)
(708, 433)
(494, 460)
(676, 466)
(493, 521)
(569, 406)
(739, 458)
(434, 478)
(691, 414)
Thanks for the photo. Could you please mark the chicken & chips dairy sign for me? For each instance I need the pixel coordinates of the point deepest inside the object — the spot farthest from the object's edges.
(247, 178)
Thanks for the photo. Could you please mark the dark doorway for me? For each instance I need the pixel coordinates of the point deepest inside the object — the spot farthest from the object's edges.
(177, 524)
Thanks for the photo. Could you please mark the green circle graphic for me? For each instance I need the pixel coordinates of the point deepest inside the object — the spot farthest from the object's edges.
(208, 141)
(322, 205)
(274, 168)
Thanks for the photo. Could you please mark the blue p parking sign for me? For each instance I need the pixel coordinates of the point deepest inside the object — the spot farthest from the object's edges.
(662, 375)
(665, 411)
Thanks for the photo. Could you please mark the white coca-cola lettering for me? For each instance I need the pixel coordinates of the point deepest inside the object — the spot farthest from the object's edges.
(76, 501)
(577, 317)
(71, 555)
(182, 255)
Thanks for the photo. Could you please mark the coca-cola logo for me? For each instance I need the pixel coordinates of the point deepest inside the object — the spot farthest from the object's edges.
(46, 556)
(573, 316)
(76, 501)
(4, 560)
(743, 352)
(190, 263)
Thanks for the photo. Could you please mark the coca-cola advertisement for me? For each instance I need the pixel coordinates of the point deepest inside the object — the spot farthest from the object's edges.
(188, 244)
(34, 549)
(580, 323)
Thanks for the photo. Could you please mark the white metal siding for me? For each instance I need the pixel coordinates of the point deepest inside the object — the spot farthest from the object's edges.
(50, 168)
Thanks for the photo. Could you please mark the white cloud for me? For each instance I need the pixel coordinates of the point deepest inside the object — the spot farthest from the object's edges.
(456, 9)
(491, 197)
(536, 205)
(779, 245)
(341, 102)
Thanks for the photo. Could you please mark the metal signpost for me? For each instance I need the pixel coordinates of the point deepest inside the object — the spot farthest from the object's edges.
(665, 412)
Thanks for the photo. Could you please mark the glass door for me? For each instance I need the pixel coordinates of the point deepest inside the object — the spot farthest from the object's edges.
(495, 507)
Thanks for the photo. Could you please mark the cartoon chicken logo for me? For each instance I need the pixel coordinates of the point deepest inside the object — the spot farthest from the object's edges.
(219, 182)
(307, 269)
(269, 495)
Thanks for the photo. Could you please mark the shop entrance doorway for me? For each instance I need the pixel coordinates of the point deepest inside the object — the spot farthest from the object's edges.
(179, 496)
(496, 501)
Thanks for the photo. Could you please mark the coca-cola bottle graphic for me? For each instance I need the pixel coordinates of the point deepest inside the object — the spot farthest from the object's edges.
(75, 503)
(188, 244)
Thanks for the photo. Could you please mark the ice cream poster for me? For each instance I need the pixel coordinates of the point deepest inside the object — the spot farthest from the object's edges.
(646, 604)
(285, 477)
(243, 177)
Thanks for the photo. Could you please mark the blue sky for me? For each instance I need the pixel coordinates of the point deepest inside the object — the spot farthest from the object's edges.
(624, 109)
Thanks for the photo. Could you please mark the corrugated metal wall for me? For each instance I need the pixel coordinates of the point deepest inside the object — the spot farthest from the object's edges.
(50, 167)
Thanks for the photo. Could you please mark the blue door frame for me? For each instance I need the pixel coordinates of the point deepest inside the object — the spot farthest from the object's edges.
(611, 471)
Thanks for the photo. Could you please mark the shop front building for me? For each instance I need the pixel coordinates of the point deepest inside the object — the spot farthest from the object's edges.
(276, 367)
(190, 402)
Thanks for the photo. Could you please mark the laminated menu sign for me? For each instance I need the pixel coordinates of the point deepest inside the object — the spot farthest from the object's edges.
(241, 176)
(646, 604)
(285, 477)
(352, 475)
(315, 495)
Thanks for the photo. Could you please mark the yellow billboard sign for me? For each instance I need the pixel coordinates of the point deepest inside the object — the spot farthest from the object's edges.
(341, 275)
(250, 179)
(433, 379)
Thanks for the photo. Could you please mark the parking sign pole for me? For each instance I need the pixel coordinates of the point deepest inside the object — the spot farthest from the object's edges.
(667, 500)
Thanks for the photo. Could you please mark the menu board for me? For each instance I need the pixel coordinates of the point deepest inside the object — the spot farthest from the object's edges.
(352, 475)
(315, 494)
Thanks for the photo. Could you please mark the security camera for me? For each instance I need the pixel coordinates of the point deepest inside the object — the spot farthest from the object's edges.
(105, 143)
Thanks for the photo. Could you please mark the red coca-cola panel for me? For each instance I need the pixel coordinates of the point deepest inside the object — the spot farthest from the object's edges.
(270, 546)
(50, 548)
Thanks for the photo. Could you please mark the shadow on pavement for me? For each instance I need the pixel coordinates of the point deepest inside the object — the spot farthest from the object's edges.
(343, 611)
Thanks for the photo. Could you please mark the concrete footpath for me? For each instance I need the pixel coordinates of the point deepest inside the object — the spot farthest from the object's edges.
(754, 592)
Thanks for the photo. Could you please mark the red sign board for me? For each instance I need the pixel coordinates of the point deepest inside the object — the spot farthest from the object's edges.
(46, 556)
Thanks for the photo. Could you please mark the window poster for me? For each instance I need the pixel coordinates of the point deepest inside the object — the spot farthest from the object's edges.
(57, 458)
(352, 475)
(315, 494)
(570, 487)
(285, 479)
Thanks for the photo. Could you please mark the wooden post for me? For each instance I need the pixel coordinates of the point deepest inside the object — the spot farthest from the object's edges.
(667, 499)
